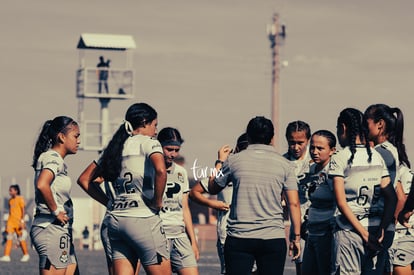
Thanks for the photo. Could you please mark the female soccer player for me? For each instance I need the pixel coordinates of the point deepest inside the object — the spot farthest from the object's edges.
(51, 231)
(175, 213)
(386, 131)
(133, 163)
(365, 199)
(320, 217)
(15, 224)
(297, 135)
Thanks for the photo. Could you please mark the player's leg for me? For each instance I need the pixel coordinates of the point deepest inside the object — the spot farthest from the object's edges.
(151, 245)
(182, 257)
(270, 256)
(52, 243)
(239, 255)
(404, 255)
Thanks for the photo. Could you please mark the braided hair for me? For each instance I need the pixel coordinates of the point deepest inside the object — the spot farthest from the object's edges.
(394, 127)
(355, 126)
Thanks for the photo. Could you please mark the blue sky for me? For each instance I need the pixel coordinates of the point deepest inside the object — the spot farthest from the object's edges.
(205, 66)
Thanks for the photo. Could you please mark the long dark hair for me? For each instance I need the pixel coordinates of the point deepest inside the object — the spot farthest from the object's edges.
(356, 125)
(394, 126)
(48, 136)
(137, 115)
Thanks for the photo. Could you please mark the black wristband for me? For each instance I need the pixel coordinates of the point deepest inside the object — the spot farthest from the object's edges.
(218, 161)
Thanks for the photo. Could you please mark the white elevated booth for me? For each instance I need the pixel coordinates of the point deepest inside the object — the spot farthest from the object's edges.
(105, 72)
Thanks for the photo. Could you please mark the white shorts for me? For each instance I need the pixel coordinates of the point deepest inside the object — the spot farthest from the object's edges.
(135, 238)
(105, 240)
(181, 253)
(54, 246)
(351, 256)
(401, 251)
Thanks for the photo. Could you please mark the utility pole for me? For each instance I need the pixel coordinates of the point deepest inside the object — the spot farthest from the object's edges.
(276, 35)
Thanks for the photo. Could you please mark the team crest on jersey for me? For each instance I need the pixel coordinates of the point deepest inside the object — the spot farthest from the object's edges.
(333, 165)
(64, 257)
(180, 177)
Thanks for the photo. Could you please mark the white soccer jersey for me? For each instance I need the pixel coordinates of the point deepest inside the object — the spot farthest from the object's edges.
(362, 185)
(61, 188)
(302, 167)
(172, 210)
(134, 188)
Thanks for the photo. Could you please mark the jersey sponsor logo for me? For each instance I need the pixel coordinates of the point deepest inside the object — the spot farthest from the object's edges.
(172, 188)
(125, 204)
(156, 146)
(170, 209)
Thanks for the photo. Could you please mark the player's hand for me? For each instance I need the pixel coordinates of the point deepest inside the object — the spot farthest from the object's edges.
(224, 152)
(62, 217)
(294, 250)
(374, 242)
(219, 205)
(404, 217)
(196, 251)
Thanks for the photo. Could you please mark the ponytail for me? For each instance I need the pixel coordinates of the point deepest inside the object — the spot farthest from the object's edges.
(43, 142)
(48, 135)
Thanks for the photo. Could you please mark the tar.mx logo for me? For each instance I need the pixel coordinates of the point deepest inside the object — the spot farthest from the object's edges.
(200, 172)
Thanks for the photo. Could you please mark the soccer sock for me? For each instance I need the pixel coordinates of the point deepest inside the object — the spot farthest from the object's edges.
(23, 245)
(8, 247)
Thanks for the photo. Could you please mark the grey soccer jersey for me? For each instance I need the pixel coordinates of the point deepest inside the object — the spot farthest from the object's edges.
(134, 187)
(259, 175)
(322, 209)
(61, 188)
(362, 185)
(172, 211)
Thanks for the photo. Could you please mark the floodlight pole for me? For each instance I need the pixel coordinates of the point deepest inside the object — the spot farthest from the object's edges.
(274, 34)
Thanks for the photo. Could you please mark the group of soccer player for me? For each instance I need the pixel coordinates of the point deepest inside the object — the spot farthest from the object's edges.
(351, 198)
(343, 204)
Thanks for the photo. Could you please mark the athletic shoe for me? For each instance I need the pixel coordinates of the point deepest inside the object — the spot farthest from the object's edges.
(25, 258)
(5, 259)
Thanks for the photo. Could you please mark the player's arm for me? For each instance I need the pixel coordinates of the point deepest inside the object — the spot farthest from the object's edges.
(339, 192)
(189, 228)
(196, 194)
(294, 210)
(222, 155)
(157, 160)
(401, 198)
(22, 222)
(89, 181)
(43, 183)
(390, 203)
(407, 211)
